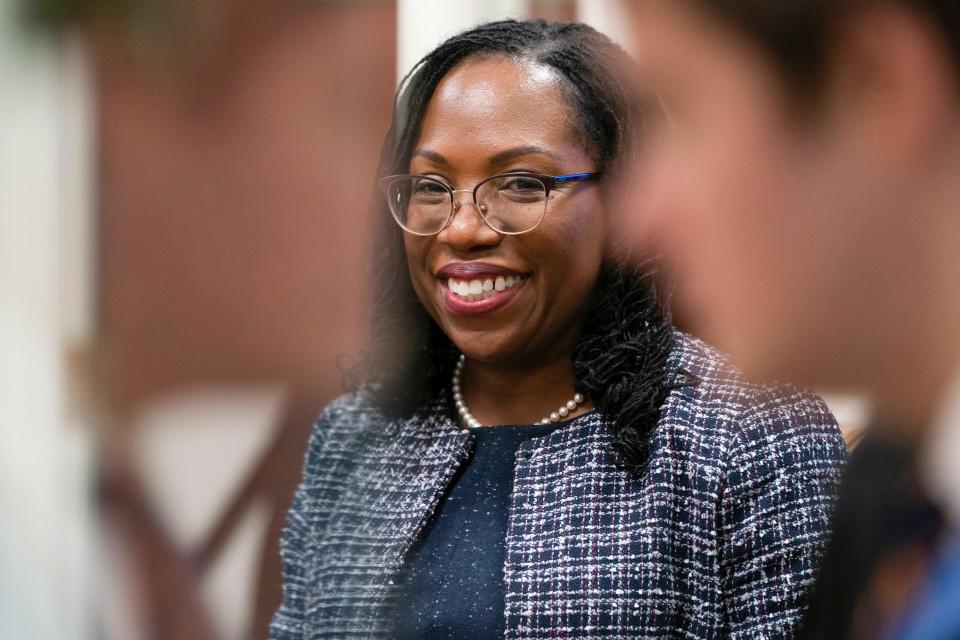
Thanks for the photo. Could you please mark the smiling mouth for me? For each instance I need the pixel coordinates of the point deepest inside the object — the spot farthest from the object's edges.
(479, 289)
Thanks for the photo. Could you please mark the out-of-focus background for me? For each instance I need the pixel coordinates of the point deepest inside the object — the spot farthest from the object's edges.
(183, 195)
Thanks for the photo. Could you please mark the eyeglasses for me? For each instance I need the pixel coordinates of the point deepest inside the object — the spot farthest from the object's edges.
(509, 203)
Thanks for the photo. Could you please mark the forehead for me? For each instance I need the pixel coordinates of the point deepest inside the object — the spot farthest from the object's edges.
(484, 105)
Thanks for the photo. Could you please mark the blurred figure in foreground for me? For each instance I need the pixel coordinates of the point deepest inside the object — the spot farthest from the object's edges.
(539, 453)
(806, 179)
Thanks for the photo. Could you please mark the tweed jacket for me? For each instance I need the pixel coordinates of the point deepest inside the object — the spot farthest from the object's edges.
(720, 538)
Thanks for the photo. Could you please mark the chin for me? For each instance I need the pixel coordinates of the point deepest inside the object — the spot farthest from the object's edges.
(749, 351)
(476, 345)
(484, 347)
(776, 357)
(756, 365)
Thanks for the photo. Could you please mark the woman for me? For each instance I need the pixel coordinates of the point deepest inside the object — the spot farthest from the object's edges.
(632, 485)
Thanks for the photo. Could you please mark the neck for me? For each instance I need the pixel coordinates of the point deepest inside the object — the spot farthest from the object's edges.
(924, 355)
(909, 396)
(518, 394)
(913, 379)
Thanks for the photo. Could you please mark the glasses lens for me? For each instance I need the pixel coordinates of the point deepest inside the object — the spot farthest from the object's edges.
(420, 205)
(512, 204)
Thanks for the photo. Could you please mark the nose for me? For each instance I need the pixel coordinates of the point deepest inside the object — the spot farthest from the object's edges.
(467, 231)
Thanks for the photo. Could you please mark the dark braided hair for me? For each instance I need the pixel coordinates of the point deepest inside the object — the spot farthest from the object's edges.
(620, 358)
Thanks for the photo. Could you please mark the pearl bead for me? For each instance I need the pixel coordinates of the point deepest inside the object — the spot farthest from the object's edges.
(467, 418)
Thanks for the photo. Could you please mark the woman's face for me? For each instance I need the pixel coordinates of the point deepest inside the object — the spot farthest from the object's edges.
(489, 116)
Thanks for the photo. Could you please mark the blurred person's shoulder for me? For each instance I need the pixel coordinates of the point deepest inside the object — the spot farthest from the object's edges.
(708, 380)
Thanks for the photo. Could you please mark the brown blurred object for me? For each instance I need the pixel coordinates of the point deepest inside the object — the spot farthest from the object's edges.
(238, 143)
(560, 10)
(233, 219)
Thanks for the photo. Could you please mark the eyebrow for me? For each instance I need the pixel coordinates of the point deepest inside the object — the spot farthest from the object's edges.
(497, 158)
(516, 152)
(431, 155)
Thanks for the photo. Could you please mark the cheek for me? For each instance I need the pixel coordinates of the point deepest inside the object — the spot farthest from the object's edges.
(584, 237)
(570, 249)
(774, 261)
(417, 250)
(724, 219)
(728, 228)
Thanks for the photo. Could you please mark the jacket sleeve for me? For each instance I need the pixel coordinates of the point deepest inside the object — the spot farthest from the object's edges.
(781, 481)
(289, 620)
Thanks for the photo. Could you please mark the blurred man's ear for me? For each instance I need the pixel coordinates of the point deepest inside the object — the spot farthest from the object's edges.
(894, 84)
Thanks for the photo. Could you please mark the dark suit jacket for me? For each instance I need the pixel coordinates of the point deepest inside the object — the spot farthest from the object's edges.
(719, 539)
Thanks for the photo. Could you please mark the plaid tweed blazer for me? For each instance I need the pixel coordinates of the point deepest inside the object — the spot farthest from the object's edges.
(719, 539)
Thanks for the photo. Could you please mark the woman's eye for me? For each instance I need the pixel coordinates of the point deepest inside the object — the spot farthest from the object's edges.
(522, 184)
(429, 188)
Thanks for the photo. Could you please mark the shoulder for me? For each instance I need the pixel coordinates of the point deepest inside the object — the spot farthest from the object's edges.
(709, 365)
(352, 410)
(346, 422)
(711, 389)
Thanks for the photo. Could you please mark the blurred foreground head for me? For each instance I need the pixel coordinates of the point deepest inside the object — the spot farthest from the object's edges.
(807, 181)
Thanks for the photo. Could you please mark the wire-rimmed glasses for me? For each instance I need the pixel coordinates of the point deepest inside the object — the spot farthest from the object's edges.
(509, 203)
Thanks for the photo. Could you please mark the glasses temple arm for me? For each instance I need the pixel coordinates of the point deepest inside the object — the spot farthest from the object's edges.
(576, 177)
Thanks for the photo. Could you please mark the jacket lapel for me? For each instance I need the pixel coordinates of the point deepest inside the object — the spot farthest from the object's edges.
(390, 495)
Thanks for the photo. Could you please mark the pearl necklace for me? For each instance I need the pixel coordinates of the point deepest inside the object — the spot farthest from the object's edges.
(473, 423)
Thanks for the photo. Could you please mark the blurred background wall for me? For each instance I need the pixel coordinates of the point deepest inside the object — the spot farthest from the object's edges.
(183, 195)
(238, 145)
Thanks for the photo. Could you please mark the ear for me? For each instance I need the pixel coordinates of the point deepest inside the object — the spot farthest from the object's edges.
(893, 83)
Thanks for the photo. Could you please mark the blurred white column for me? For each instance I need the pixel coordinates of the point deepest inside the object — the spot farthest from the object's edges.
(45, 307)
(423, 24)
(608, 17)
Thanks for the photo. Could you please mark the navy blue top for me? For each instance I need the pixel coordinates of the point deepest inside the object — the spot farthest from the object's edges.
(455, 588)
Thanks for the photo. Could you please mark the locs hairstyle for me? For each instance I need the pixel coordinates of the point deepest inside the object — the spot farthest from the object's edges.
(620, 359)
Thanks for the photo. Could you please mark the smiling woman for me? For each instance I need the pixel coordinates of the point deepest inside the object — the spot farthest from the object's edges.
(531, 449)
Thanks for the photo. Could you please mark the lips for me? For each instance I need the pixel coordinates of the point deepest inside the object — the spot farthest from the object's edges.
(475, 287)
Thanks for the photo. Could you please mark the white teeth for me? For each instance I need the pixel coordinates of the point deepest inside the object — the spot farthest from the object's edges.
(474, 290)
